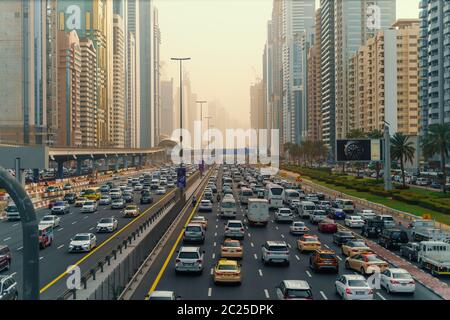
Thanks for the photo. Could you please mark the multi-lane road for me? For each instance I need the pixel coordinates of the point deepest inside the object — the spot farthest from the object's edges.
(55, 259)
(258, 280)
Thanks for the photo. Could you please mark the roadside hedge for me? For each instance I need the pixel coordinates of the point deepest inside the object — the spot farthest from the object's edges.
(373, 187)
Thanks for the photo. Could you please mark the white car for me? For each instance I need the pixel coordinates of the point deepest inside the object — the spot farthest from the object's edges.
(138, 187)
(367, 214)
(298, 228)
(205, 205)
(353, 287)
(163, 295)
(89, 206)
(161, 191)
(354, 222)
(397, 280)
(50, 221)
(105, 200)
(284, 215)
(107, 225)
(82, 242)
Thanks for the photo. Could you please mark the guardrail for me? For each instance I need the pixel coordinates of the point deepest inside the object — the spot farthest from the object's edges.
(111, 287)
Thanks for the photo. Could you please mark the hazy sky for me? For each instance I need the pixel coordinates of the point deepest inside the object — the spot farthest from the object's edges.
(225, 39)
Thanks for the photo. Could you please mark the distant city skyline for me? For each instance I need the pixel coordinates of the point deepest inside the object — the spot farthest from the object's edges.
(227, 47)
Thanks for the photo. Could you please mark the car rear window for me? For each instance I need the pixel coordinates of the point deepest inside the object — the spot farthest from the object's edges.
(231, 244)
(188, 255)
(193, 229)
(297, 293)
(234, 225)
(357, 283)
(278, 248)
(327, 256)
(401, 276)
(227, 267)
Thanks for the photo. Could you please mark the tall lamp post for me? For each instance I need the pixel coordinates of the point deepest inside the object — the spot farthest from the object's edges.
(181, 105)
(387, 158)
(209, 117)
(201, 102)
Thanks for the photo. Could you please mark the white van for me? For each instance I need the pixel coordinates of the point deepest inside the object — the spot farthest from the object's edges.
(245, 194)
(306, 209)
(290, 195)
(258, 212)
(228, 208)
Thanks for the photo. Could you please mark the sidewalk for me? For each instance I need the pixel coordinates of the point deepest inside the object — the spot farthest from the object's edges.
(427, 280)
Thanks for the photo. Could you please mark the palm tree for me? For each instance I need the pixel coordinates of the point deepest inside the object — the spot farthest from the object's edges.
(403, 150)
(437, 141)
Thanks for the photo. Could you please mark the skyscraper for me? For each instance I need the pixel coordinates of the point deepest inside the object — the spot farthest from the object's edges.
(167, 107)
(156, 78)
(257, 106)
(23, 93)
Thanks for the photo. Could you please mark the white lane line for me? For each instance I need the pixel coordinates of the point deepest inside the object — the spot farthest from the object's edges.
(379, 294)
(15, 225)
(91, 228)
(61, 246)
(215, 244)
(289, 245)
(209, 292)
(251, 243)
(71, 213)
(260, 272)
(323, 295)
(85, 217)
(276, 228)
(6, 239)
(282, 235)
(213, 256)
(308, 273)
(256, 257)
(60, 229)
(20, 248)
(340, 259)
(249, 235)
(217, 220)
(74, 222)
(297, 257)
(326, 246)
(212, 271)
(217, 226)
(40, 258)
(266, 292)
(246, 227)
(13, 274)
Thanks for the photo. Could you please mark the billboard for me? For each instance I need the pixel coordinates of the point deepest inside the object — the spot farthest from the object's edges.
(358, 150)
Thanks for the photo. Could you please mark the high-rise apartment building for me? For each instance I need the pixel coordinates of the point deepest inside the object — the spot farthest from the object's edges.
(23, 93)
(314, 103)
(257, 106)
(156, 78)
(88, 94)
(68, 128)
(383, 81)
(296, 33)
(355, 21)
(434, 63)
(167, 108)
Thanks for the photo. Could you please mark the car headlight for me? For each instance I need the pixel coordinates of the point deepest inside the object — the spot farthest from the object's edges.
(71, 246)
(85, 245)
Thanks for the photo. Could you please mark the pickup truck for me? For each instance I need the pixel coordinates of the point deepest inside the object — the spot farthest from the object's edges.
(435, 257)
(424, 230)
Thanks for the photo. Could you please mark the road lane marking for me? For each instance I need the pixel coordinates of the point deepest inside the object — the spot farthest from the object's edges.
(61, 246)
(260, 272)
(13, 274)
(175, 245)
(212, 271)
(60, 229)
(85, 217)
(266, 292)
(251, 243)
(326, 246)
(249, 235)
(51, 283)
(74, 222)
(91, 228)
(297, 257)
(256, 257)
(379, 294)
(215, 244)
(209, 292)
(340, 259)
(323, 295)
(213, 255)
(215, 234)
(15, 225)
(276, 227)
(6, 239)
(20, 248)
(289, 246)
(40, 258)
(308, 273)
(282, 235)
(217, 226)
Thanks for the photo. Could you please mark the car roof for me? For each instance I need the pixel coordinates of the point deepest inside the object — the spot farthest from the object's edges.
(227, 262)
(296, 284)
(162, 294)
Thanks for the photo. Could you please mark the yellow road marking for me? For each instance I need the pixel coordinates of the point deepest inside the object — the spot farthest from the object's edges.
(166, 262)
(101, 245)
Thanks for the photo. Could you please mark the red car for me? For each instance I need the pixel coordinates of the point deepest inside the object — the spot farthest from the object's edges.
(328, 226)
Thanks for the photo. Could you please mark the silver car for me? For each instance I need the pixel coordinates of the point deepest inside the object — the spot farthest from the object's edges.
(234, 229)
(194, 232)
(189, 259)
(284, 215)
(275, 252)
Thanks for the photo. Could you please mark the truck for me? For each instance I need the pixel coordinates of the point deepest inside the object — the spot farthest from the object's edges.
(258, 212)
(435, 257)
(424, 230)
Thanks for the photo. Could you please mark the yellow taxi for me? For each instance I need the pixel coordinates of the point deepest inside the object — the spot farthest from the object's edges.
(366, 263)
(308, 243)
(227, 271)
(351, 248)
(200, 220)
(231, 249)
(80, 201)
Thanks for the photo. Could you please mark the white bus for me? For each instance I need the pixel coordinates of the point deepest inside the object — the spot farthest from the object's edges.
(275, 195)
(258, 212)
(290, 195)
(228, 208)
(245, 194)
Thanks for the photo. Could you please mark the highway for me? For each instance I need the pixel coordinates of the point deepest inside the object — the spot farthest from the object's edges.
(258, 280)
(55, 259)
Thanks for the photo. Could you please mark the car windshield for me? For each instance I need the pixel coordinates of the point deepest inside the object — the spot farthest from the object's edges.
(285, 211)
(320, 213)
(228, 204)
(372, 258)
(81, 238)
(227, 267)
(118, 201)
(188, 255)
(299, 224)
(401, 276)
(106, 220)
(276, 191)
(297, 293)
(357, 283)
(388, 219)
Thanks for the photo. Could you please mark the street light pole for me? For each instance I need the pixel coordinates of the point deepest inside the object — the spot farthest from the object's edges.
(209, 117)
(201, 102)
(181, 105)
(387, 158)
